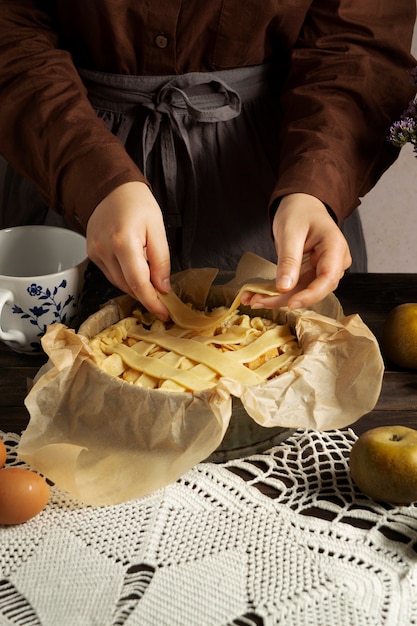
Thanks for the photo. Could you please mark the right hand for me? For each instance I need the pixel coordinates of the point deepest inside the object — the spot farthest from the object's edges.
(126, 239)
(312, 254)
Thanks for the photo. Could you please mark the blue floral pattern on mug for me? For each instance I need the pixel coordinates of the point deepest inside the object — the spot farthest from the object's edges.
(65, 313)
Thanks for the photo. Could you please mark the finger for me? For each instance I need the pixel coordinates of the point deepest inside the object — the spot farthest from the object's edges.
(261, 301)
(314, 284)
(136, 274)
(159, 263)
(330, 269)
(315, 292)
(107, 262)
(147, 296)
(112, 271)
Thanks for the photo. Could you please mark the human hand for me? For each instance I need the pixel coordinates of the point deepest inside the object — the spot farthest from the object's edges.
(126, 239)
(312, 254)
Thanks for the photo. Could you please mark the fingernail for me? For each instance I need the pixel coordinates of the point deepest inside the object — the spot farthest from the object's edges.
(284, 282)
(296, 305)
(166, 285)
(257, 305)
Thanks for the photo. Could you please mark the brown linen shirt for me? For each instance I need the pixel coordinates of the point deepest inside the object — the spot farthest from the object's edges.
(346, 64)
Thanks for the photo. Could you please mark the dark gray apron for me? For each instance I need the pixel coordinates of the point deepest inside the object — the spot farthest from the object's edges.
(207, 144)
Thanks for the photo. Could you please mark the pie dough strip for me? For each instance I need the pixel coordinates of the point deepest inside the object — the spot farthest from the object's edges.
(270, 339)
(149, 382)
(219, 362)
(237, 335)
(190, 318)
(200, 370)
(158, 369)
(275, 365)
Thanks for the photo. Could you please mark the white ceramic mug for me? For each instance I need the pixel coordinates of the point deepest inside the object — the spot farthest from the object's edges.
(41, 280)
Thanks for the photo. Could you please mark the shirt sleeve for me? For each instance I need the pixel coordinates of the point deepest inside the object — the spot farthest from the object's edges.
(349, 80)
(68, 152)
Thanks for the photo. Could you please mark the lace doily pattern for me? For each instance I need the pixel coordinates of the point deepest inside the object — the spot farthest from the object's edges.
(281, 538)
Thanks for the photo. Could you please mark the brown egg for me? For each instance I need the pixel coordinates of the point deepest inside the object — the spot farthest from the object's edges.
(23, 494)
(3, 453)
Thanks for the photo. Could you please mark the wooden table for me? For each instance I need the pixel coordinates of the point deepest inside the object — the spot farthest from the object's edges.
(370, 295)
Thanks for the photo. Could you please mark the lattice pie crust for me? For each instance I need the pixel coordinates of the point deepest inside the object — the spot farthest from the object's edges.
(194, 349)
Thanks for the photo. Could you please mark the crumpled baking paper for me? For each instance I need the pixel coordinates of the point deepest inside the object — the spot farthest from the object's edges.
(106, 441)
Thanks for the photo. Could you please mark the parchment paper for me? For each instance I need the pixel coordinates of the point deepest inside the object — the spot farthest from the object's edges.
(106, 441)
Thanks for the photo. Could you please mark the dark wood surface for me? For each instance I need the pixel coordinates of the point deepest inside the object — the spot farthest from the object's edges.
(372, 296)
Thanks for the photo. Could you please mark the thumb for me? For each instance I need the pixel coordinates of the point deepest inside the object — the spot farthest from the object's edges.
(288, 268)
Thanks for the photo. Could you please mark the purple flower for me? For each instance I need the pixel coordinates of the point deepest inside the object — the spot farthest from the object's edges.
(405, 129)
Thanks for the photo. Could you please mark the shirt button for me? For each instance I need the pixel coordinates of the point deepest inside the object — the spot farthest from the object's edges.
(161, 41)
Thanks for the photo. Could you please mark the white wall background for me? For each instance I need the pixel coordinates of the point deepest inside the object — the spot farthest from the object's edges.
(389, 214)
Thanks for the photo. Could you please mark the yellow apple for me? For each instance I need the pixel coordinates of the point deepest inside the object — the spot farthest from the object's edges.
(383, 464)
(399, 335)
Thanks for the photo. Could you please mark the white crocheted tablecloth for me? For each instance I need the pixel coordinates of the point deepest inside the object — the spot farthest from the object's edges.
(280, 538)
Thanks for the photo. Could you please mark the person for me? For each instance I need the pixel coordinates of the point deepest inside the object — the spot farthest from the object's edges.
(180, 133)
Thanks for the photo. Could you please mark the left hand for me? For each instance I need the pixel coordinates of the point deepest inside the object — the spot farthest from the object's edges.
(312, 254)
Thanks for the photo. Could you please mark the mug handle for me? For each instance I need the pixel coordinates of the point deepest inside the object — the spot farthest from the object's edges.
(11, 335)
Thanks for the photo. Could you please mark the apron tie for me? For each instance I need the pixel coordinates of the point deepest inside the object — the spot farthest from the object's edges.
(206, 102)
